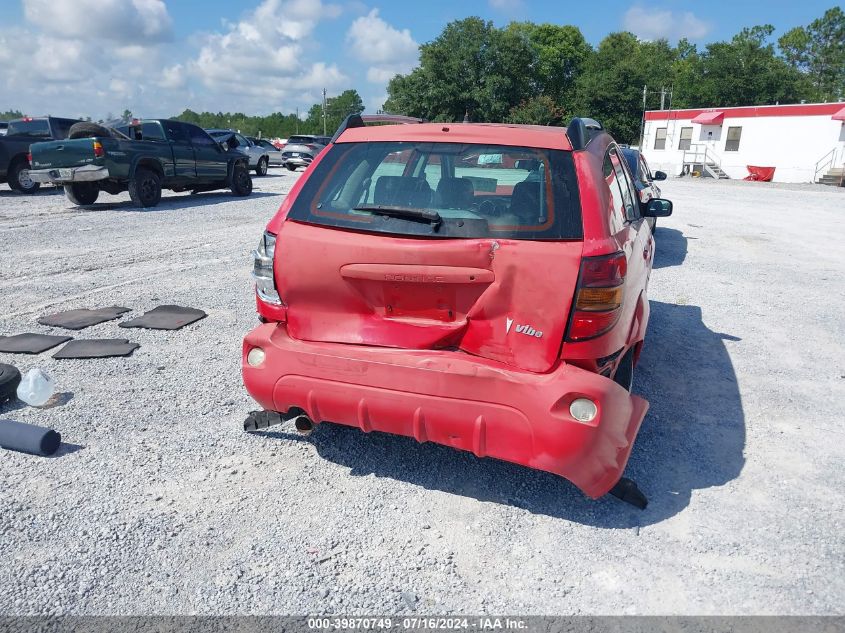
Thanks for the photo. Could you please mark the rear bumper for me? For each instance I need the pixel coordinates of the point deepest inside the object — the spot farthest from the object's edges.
(453, 399)
(86, 173)
(299, 161)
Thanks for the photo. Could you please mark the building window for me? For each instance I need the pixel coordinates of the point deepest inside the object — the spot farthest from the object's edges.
(660, 138)
(732, 143)
(686, 138)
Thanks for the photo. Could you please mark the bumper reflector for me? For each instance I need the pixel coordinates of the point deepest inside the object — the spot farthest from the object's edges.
(255, 357)
(583, 410)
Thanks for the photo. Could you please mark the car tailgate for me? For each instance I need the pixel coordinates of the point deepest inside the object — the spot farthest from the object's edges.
(65, 153)
(499, 299)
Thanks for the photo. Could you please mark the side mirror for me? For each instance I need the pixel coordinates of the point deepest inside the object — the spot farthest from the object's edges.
(658, 208)
(659, 175)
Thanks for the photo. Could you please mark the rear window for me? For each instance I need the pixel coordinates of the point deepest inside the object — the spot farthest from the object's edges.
(304, 140)
(444, 190)
(38, 128)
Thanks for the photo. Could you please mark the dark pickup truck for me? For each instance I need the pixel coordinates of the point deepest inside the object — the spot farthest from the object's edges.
(143, 157)
(14, 147)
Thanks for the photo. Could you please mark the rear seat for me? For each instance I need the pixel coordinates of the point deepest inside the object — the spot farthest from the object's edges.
(403, 191)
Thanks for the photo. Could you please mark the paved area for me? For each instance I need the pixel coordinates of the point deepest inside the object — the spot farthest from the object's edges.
(159, 503)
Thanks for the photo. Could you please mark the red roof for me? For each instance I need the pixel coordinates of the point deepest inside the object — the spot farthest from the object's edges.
(709, 118)
(798, 109)
(492, 133)
(839, 116)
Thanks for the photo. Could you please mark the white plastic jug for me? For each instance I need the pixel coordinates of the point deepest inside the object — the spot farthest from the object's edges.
(36, 387)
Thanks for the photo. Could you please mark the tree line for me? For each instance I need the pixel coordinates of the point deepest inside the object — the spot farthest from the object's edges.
(546, 73)
(278, 125)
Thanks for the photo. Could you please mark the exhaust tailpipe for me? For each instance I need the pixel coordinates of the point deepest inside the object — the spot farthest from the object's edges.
(303, 425)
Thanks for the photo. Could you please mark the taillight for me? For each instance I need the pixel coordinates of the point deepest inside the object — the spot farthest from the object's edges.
(598, 301)
(99, 152)
(29, 158)
(262, 272)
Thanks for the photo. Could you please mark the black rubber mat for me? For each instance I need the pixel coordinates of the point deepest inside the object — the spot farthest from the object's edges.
(83, 318)
(97, 348)
(166, 318)
(31, 343)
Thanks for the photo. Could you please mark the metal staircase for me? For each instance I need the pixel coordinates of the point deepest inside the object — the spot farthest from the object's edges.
(702, 159)
(827, 172)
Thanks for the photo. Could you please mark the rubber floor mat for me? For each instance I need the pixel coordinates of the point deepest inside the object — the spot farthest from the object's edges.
(31, 343)
(83, 318)
(97, 348)
(166, 318)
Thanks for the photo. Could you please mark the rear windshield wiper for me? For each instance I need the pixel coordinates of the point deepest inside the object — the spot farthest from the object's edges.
(406, 213)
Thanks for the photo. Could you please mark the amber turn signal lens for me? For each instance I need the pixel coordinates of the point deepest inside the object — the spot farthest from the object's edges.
(596, 299)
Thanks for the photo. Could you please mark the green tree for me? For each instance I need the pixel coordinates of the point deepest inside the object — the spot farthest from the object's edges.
(540, 110)
(746, 71)
(818, 51)
(561, 52)
(610, 89)
(337, 109)
(471, 67)
(10, 115)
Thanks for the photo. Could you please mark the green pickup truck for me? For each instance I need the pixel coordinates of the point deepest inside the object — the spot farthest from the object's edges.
(143, 157)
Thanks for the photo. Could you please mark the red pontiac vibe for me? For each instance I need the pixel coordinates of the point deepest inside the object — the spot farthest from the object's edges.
(479, 286)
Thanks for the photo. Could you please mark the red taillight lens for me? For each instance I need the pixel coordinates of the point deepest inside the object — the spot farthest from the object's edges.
(29, 158)
(99, 152)
(598, 301)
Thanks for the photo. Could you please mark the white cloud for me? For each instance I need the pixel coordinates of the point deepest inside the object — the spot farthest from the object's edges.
(272, 42)
(387, 50)
(116, 20)
(653, 24)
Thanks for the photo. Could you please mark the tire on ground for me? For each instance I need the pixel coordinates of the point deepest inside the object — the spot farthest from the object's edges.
(145, 187)
(10, 378)
(82, 193)
(261, 167)
(87, 129)
(291, 167)
(19, 169)
(241, 180)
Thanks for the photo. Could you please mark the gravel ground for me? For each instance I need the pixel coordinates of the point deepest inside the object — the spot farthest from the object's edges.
(160, 503)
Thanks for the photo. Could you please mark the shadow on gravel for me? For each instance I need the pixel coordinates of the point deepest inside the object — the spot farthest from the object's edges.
(671, 247)
(44, 191)
(171, 203)
(692, 438)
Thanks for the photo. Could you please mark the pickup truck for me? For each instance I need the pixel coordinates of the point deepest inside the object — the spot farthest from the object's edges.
(142, 157)
(14, 147)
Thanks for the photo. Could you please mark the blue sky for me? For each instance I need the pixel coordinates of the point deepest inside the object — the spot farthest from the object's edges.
(156, 57)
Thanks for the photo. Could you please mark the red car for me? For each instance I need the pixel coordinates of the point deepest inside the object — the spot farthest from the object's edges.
(479, 286)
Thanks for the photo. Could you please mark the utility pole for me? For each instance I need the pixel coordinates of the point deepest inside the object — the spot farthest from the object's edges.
(662, 97)
(642, 118)
(324, 111)
(297, 119)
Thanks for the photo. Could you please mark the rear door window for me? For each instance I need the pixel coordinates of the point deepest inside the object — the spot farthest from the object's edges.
(475, 190)
(35, 128)
(177, 131)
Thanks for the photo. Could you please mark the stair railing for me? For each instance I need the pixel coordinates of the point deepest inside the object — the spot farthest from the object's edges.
(826, 162)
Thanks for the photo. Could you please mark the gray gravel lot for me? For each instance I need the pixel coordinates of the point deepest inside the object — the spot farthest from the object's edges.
(160, 503)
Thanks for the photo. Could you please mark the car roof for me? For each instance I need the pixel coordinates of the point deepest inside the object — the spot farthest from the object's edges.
(476, 133)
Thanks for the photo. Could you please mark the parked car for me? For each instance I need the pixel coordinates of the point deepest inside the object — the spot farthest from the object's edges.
(497, 307)
(302, 149)
(259, 160)
(14, 148)
(4, 126)
(274, 154)
(143, 157)
(643, 178)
